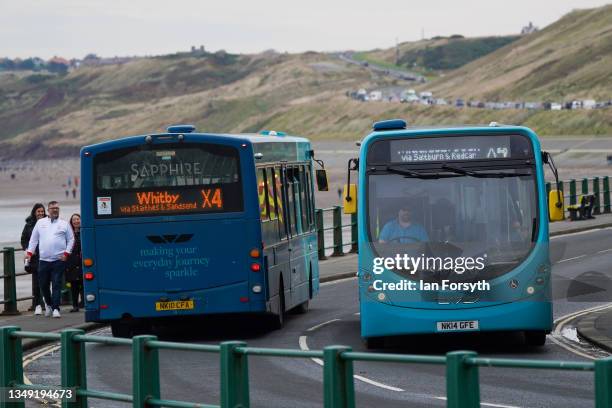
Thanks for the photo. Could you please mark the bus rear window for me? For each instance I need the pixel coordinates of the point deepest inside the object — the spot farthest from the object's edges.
(167, 179)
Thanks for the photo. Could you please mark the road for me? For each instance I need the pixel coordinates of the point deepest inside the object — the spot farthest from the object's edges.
(581, 279)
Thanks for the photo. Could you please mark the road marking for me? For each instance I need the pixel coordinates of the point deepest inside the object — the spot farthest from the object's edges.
(304, 347)
(580, 232)
(488, 404)
(337, 281)
(321, 325)
(563, 320)
(605, 250)
(571, 259)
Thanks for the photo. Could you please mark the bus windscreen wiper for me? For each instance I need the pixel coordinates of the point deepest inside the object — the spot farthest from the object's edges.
(471, 173)
(410, 173)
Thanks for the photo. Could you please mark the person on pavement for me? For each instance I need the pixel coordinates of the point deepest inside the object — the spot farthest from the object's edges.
(54, 239)
(38, 212)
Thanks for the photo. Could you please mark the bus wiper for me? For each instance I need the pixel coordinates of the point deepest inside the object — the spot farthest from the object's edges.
(410, 173)
(471, 173)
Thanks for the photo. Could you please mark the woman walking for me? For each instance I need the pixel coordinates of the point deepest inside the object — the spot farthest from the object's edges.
(74, 271)
(38, 212)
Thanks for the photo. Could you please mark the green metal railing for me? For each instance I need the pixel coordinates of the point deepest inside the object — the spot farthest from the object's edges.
(337, 227)
(462, 370)
(9, 278)
(599, 188)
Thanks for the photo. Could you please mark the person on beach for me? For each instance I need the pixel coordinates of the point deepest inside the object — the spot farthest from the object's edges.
(74, 269)
(38, 212)
(54, 239)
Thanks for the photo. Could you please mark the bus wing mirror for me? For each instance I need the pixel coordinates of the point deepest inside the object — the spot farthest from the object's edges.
(321, 176)
(555, 206)
(349, 198)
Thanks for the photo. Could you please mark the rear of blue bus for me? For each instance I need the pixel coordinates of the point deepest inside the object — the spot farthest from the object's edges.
(170, 227)
(465, 211)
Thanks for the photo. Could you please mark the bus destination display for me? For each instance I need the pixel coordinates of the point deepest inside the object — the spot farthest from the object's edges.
(162, 201)
(449, 149)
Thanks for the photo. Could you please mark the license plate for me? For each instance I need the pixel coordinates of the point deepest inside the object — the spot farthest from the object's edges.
(460, 325)
(174, 305)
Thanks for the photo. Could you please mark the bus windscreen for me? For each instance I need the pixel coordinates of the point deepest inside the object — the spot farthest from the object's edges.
(167, 179)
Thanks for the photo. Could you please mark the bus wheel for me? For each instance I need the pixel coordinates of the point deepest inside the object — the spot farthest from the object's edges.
(535, 337)
(278, 320)
(374, 342)
(121, 329)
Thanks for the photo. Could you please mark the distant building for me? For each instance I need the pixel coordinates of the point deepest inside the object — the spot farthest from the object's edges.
(529, 29)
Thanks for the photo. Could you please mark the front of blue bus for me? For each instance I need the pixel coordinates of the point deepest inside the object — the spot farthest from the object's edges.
(453, 232)
(170, 227)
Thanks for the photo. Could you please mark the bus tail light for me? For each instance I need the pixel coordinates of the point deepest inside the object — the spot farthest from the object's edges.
(244, 299)
(90, 297)
(255, 267)
(255, 253)
(88, 262)
(89, 275)
(256, 289)
(103, 306)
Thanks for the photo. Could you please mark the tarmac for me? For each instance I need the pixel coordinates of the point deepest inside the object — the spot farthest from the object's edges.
(595, 327)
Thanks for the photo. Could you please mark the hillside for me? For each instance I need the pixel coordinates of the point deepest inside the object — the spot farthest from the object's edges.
(440, 53)
(44, 115)
(570, 59)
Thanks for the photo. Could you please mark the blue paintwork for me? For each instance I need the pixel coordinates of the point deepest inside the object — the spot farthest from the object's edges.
(127, 283)
(518, 311)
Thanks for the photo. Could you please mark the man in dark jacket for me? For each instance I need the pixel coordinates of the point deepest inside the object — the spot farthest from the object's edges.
(38, 212)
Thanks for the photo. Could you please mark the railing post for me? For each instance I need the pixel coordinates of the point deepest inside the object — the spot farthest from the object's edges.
(562, 189)
(74, 373)
(145, 371)
(603, 383)
(11, 363)
(462, 387)
(597, 204)
(572, 187)
(337, 216)
(585, 186)
(10, 284)
(234, 376)
(606, 194)
(338, 385)
(320, 233)
(354, 234)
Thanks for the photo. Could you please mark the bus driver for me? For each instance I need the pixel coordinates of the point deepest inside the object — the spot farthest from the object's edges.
(402, 229)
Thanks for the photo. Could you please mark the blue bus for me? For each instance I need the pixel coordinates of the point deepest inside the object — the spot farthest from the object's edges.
(184, 224)
(453, 231)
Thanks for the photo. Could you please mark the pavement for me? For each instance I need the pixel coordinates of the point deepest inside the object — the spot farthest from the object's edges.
(595, 327)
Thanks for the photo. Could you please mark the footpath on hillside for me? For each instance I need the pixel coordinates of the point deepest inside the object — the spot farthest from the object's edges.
(596, 327)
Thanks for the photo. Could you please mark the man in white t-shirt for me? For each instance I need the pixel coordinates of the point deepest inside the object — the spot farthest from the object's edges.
(55, 240)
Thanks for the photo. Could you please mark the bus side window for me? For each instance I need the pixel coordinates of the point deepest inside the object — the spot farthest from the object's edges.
(297, 203)
(289, 194)
(270, 227)
(305, 203)
(310, 199)
(261, 192)
(278, 197)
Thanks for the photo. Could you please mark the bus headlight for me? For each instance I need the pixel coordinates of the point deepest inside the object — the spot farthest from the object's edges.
(381, 296)
(530, 290)
(90, 297)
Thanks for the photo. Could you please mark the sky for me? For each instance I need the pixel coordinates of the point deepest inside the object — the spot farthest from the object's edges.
(74, 28)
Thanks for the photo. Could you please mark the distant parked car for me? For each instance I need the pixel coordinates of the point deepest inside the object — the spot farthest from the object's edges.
(460, 103)
(555, 106)
(588, 104)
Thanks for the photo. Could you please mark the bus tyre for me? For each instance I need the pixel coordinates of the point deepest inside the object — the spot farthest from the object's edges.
(278, 319)
(535, 337)
(374, 342)
(121, 329)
